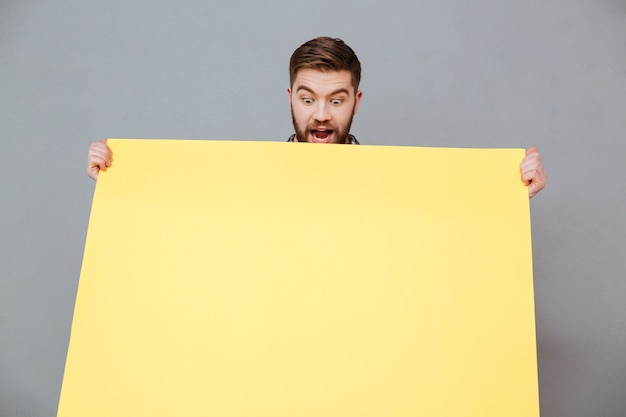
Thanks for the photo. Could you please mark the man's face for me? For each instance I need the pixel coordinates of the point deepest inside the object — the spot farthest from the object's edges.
(322, 105)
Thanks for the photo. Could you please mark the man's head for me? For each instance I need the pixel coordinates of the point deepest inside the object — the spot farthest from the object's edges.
(323, 93)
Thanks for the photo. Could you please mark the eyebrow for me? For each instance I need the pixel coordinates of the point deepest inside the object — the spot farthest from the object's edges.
(338, 91)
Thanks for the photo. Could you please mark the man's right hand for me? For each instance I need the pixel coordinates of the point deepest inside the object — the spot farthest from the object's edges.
(99, 158)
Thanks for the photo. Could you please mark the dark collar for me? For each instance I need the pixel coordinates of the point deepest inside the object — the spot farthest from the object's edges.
(352, 140)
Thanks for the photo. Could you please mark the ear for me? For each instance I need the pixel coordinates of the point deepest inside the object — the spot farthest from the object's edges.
(289, 95)
(357, 101)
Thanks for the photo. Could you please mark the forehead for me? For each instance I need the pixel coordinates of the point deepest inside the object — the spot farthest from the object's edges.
(322, 82)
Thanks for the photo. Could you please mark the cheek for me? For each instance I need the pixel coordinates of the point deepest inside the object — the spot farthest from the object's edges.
(345, 115)
(299, 112)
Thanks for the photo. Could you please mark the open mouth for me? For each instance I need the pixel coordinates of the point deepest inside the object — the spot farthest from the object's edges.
(321, 136)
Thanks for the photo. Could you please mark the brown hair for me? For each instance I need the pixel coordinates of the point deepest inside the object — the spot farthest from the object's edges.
(325, 54)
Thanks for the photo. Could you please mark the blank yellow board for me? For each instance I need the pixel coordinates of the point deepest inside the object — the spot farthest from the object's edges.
(240, 279)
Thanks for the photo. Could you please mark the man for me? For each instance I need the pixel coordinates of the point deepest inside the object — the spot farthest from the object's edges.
(324, 97)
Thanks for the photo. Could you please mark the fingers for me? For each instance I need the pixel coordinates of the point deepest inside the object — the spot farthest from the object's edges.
(533, 172)
(99, 158)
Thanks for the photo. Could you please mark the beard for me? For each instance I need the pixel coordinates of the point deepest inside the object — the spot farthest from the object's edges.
(340, 133)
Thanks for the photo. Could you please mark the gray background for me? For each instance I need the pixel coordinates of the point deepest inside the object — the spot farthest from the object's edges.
(436, 73)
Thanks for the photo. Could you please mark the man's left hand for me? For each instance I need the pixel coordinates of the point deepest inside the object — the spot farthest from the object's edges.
(533, 173)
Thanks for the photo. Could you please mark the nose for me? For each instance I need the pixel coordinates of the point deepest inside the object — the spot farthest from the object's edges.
(322, 112)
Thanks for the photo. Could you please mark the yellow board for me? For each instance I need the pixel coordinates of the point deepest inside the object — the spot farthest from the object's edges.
(259, 279)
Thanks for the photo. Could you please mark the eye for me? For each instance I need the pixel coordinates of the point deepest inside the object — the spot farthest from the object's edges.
(336, 101)
(307, 100)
